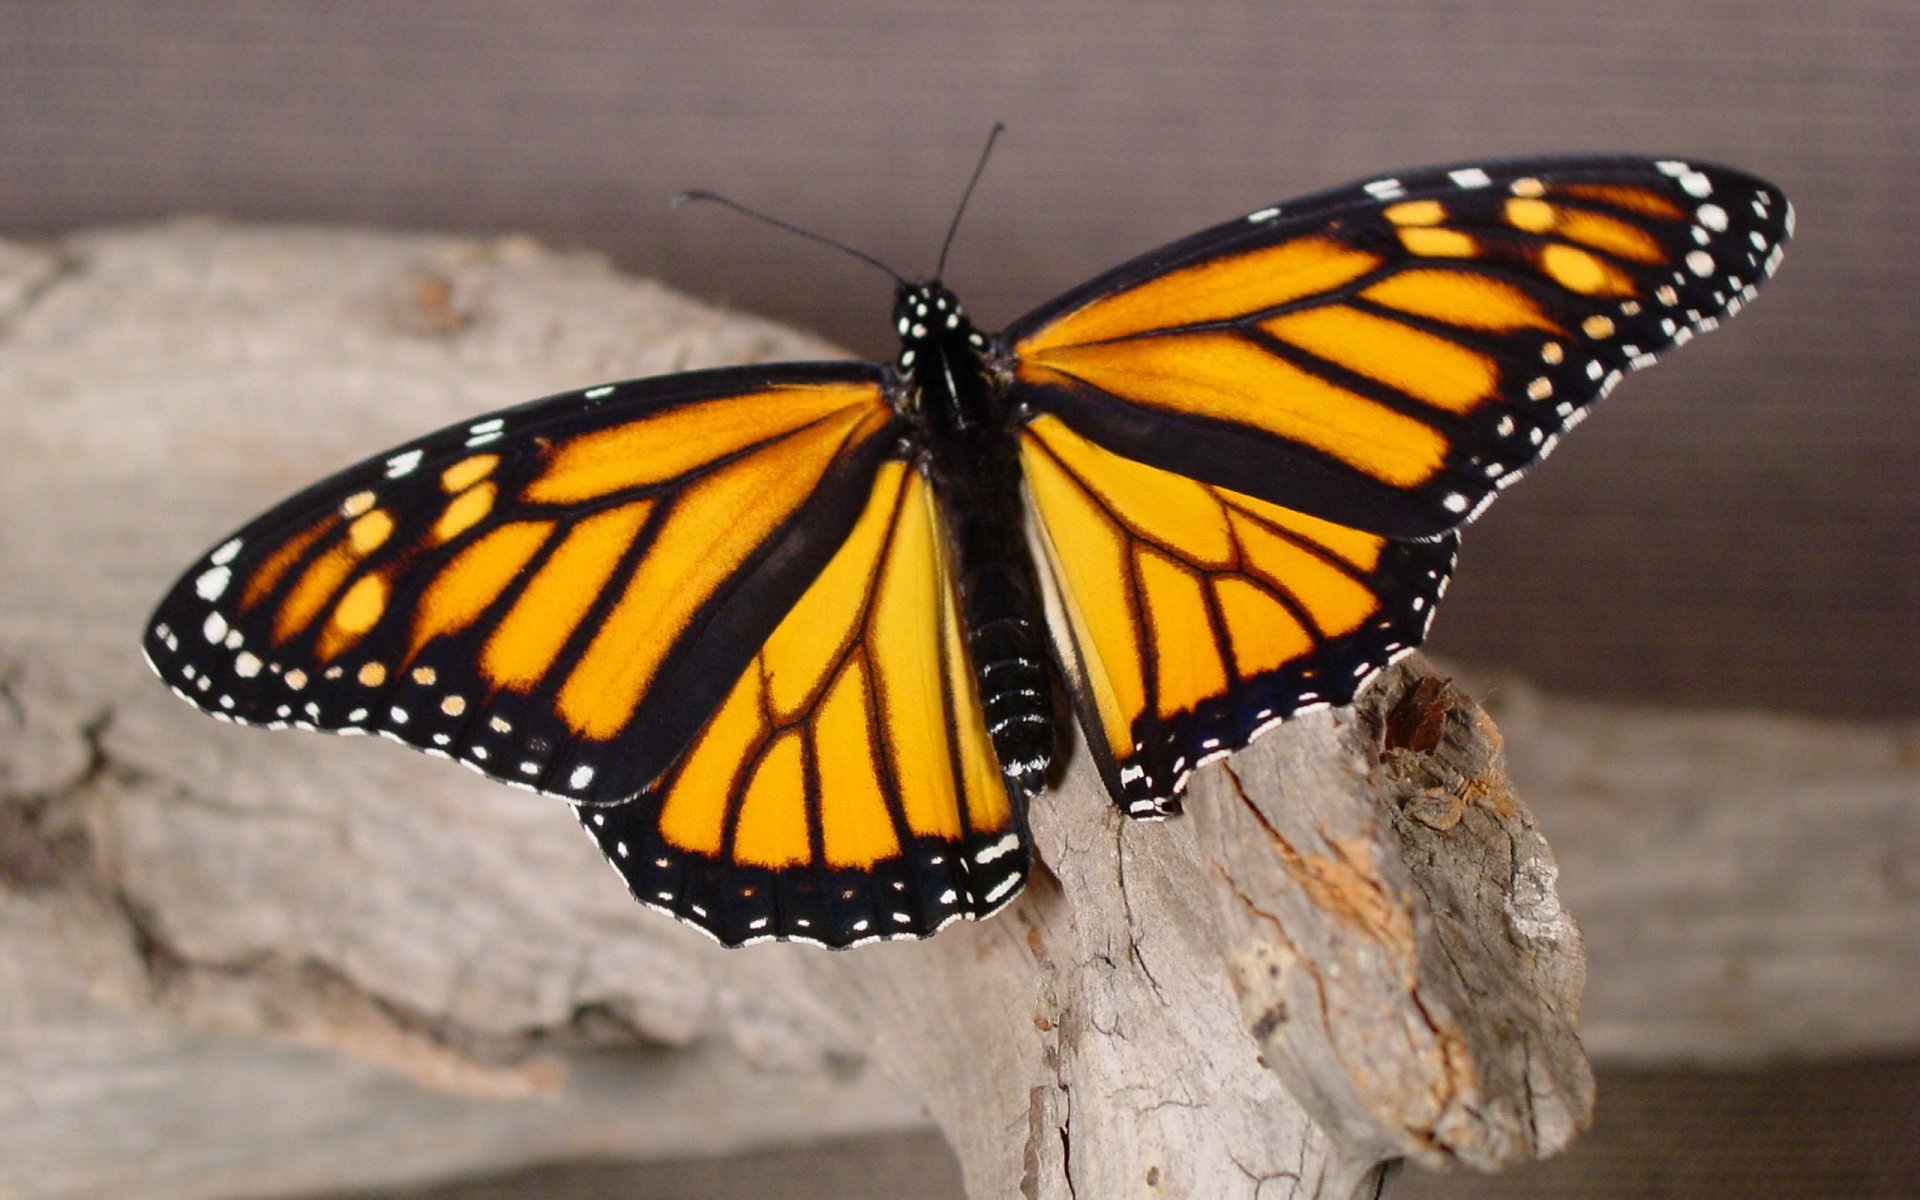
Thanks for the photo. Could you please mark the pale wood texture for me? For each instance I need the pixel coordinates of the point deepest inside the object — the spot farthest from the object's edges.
(241, 964)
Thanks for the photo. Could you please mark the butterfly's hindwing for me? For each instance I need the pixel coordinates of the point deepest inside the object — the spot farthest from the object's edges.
(846, 788)
(1190, 617)
(1390, 355)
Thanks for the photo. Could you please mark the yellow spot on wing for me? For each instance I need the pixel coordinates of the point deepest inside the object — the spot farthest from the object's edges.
(468, 471)
(522, 648)
(772, 829)
(662, 447)
(1578, 271)
(372, 674)
(464, 512)
(1224, 377)
(361, 607)
(1217, 290)
(316, 586)
(1532, 215)
(1458, 298)
(1439, 243)
(1416, 212)
(368, 531)
(1427, 367)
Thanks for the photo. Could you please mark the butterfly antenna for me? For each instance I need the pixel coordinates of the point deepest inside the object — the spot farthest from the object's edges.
(777, 223)
(978, 169)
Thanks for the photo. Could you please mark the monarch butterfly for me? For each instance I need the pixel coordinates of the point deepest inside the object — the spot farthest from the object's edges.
(788, 637)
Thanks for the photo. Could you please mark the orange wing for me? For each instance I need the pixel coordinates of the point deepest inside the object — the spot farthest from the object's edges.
(558, 595)
(846, 788)
(1189, 617)
(1389, 355)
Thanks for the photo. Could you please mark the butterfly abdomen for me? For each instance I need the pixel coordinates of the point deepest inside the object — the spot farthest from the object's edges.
(973, 460)
(1001, 612)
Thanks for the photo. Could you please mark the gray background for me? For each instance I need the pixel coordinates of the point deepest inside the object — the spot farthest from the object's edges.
(1737, 529)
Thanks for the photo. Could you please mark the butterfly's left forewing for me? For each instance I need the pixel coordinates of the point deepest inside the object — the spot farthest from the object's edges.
(556, 595)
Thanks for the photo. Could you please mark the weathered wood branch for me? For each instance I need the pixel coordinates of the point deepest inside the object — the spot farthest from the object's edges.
(1349, 949)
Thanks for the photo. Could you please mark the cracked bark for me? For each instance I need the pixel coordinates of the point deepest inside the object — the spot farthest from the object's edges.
(231, 947)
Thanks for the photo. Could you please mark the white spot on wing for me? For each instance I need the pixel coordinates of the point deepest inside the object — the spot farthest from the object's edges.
(403, 464)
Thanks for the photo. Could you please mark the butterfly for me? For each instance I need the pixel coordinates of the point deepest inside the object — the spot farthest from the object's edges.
(792, 639)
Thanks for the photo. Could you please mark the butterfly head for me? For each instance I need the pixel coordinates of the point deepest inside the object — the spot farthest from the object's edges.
(928, 314)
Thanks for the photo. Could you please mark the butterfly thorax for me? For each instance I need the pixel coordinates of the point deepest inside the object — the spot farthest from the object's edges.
(972, 458)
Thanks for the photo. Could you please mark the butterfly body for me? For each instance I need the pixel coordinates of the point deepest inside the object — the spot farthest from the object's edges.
(787, 636)
(948, 387)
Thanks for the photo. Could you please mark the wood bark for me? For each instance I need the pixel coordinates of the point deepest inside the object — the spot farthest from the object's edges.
(240, 963)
